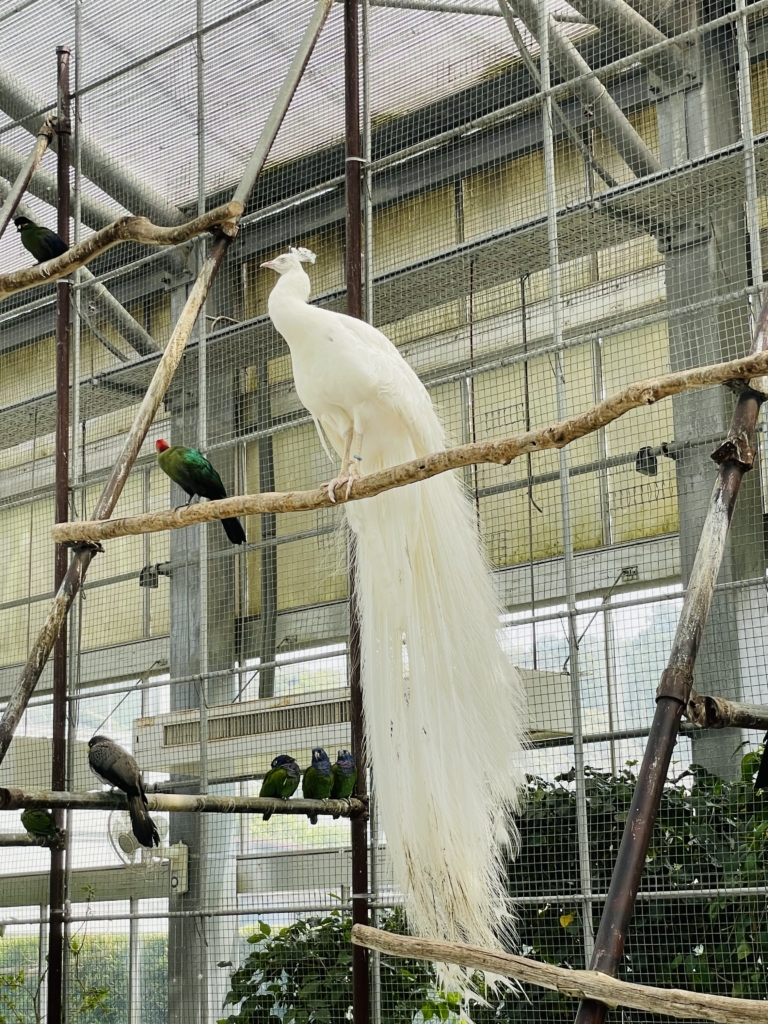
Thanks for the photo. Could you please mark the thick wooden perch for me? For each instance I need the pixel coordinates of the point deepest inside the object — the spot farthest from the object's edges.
(578, 984)
(503, 451)
(127, 229)
(16, 799)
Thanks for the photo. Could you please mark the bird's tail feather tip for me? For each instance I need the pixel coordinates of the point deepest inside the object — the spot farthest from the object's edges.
(234, 530)
(143, 826)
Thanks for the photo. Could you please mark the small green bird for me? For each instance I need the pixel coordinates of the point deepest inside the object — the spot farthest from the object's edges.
(39, 824)
(344, 774)
(282, 780)
(318, 779)
(43, 243)
(188, 468)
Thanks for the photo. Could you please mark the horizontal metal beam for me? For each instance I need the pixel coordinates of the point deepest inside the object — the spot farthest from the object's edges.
(633, 32)
(570, 65)
(437, 7)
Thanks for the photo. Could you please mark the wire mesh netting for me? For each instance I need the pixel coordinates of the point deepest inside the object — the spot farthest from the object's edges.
(530, 251)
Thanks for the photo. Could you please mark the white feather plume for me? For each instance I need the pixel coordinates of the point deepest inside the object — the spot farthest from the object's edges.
(443, 705)
(303, 255)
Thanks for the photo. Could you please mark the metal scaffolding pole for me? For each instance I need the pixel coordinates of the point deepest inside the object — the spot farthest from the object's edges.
(354, 282)
(570, 131)
(608, 115)
(43, 185)
(633, 33)
(565, 485)
(59, 732)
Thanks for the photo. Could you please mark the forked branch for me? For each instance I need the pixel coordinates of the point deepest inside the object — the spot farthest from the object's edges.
(127, 229)
(502, 451)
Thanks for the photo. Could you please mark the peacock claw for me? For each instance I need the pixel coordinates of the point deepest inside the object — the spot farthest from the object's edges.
(338, 481)
(347, 478)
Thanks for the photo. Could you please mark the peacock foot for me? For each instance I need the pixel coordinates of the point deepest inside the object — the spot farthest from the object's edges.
(345, 478)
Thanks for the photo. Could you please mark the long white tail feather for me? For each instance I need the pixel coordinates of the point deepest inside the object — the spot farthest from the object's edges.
(443, 705)
(442, 710)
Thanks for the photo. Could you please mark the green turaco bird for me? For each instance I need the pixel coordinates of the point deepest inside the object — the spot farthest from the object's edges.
(281, 781)
(318, 779)
(344, 775)
(195, 475)
(39, 824)
(43, 243)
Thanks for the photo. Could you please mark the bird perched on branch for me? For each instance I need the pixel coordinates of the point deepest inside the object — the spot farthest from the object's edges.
(318, 779)
(344, 773)
(188, 468)
(43, 243)
(443, 705)
(282, 780)
(39, 824)
(115, 766)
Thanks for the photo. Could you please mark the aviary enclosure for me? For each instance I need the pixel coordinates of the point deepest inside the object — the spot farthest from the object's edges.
(540, 204)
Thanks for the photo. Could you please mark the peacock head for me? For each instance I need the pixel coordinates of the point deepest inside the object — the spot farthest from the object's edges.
(290, 260)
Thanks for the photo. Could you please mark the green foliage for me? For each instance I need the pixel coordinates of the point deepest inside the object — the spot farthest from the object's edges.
(302, 974)
(98, 979)
(709, 834)
(11, 986)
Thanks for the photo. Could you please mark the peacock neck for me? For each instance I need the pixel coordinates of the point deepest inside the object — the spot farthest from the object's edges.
(288, 300)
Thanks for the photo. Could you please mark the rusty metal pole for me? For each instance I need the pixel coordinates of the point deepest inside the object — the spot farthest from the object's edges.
(734, 457)
(59, 733)
(354, 279)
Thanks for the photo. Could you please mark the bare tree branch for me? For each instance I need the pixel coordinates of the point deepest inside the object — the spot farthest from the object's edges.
(502, 451)
(127, 229)
(671, 1002)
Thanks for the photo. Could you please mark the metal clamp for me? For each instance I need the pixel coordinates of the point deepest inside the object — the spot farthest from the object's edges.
(735, 448)
(676, 683)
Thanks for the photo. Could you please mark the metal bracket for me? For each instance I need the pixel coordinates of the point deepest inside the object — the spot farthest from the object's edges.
(178, 855)
(85, 545)
(676, 683)
(683, 236)
(735, 448)
(702, 711)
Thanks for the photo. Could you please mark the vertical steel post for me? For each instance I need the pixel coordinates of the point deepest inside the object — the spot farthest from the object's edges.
(59, 744)
(354, 279)
(565, 482)
(374, 974)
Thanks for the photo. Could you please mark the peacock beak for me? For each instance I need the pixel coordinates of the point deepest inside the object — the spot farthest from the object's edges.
(269, 265)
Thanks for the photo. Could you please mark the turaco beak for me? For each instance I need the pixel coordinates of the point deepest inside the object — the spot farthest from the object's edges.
(269, 265)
